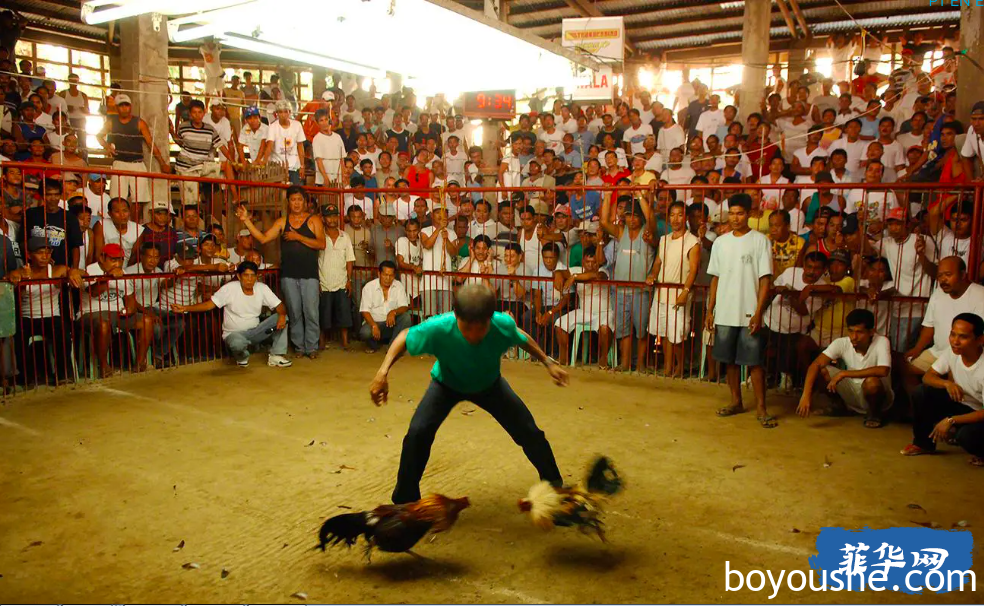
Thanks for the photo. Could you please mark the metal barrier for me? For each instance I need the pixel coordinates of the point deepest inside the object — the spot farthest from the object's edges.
(631, 319)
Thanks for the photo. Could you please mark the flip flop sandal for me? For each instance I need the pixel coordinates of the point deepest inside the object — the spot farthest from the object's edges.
(873, 423)
(730, 411)
(976, 461)
(768, 421)
(913, 451)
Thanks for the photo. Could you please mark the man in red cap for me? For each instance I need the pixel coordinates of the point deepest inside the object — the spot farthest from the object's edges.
(108, 306)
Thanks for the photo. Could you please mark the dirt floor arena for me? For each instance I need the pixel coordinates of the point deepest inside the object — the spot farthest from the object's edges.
(101, 484)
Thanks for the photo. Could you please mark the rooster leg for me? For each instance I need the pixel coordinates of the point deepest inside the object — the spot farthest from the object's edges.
(368, 552)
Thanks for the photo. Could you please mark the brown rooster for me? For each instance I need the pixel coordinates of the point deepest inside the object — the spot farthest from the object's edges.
(393, 528)
(580, 505)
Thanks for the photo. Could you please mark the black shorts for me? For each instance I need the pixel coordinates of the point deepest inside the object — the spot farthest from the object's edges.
(336, 310)
(737, 345)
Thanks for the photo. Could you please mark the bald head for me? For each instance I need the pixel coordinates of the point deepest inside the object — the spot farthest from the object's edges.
(474, 303)
(951, 273)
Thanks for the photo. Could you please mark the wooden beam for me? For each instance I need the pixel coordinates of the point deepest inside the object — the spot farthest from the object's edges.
(787, 18)
(505, 28)
(794, 4)
(590, 10)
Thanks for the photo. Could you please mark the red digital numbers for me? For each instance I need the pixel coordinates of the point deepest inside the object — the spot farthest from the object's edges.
(491, 104)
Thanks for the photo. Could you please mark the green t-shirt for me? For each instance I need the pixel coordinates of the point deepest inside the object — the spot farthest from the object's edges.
(464, 367)
(574, 255)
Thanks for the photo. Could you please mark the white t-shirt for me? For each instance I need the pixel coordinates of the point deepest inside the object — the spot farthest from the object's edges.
(433, 260)
(285, 140)
(879, 353)
(856, 152)
(454, 166)
(670, 137)
(242, 311)
(875, 203)
(781, 317)
(969, 378)
(949, 245)
(907, 274)
(379, 305)
(636, 136)
(212, 58)
(110, 300)
(942, 308)
(146, 290)
(739, 263)
(410, 251)
(907, 140)
(554, 140)
(223, 127)
(709, 121)
(98, 204)
(678, 176)
(655, 163)
(184, 289)
(253, 140)
(805, 158)
(330, 149)
(972, 145)
(772, 198)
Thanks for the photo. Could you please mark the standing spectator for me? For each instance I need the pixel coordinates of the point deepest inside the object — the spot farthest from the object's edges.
(302, 236)
(408, 259)
(953, 406)
(198, 142)
(438, 245)
(124, 136)
(786, 245)
(211, 54)
(234, 99)
(328, 150)
(386, 233)
(287, 144)
(677, 262)
(335, 263)
(55, 223)
(741, 266)
(633, 258)
(242, 302)
(865, 387)
(384, 308)
(77, 103)
(253, 137)
(635, 135)
(913, 261)
(96, 196)
(160, 233)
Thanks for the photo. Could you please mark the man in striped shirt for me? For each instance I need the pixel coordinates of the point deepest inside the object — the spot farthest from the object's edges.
(198, 142)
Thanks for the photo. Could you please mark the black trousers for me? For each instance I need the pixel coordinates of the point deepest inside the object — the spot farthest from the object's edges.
(933, 407)
(501, 402)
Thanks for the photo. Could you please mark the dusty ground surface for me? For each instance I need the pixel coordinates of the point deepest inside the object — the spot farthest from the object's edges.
(98, 485)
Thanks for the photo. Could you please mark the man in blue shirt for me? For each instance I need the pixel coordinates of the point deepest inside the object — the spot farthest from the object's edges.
(468, 344)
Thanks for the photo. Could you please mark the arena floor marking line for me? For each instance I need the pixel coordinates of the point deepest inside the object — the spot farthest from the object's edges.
(726, 536)
(5, 423)
(193, 409)
(501, 592)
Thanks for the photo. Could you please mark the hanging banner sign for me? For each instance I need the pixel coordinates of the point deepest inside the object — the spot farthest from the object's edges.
(595, 86)
(600, 37)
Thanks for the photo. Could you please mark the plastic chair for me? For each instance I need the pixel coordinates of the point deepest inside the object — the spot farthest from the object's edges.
(580, 329)
(51, 356)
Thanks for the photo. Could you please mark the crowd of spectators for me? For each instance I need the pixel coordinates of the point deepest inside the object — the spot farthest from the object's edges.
(697, 238)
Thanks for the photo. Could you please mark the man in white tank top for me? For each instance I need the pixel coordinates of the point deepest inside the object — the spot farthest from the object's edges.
(117, 228)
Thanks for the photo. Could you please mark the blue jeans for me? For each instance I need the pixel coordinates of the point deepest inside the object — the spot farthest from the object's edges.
(303, 299)
(239, 342)
(294, 176)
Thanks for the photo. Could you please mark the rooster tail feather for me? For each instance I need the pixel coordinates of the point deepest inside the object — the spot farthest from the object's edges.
(345, 527)
(603, 478)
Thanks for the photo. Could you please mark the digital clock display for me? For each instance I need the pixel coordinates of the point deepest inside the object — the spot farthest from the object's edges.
(490, 104)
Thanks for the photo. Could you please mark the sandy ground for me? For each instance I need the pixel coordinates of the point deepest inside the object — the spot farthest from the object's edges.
(98, 486)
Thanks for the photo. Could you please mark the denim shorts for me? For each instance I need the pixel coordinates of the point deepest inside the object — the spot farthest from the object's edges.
(737, 345)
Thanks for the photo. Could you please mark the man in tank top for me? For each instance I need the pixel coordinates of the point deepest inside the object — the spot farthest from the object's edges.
(123, 137)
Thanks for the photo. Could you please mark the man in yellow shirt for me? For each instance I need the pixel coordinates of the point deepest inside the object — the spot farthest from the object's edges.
(234, 99)
(786, 245)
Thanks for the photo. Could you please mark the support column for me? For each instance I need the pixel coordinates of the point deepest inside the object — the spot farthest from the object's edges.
(971, 88)
(318, 75)
(144, 75)
(797, 60)
(754, 55)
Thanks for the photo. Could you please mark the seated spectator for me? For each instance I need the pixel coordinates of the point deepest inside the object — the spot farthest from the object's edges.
(108, 305)
(479, 261)
(877, 287)
(829, 323)
(865, 385)
(335, 265)
(40, 315)
(786, 245)
(593, 312)
(168, 326)
(955, 295)
(242, 302)
(952, 408)
(676, 263)
(117, 228)
(384, 308)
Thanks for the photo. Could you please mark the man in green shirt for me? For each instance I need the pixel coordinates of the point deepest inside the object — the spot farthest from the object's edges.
(468, 344)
